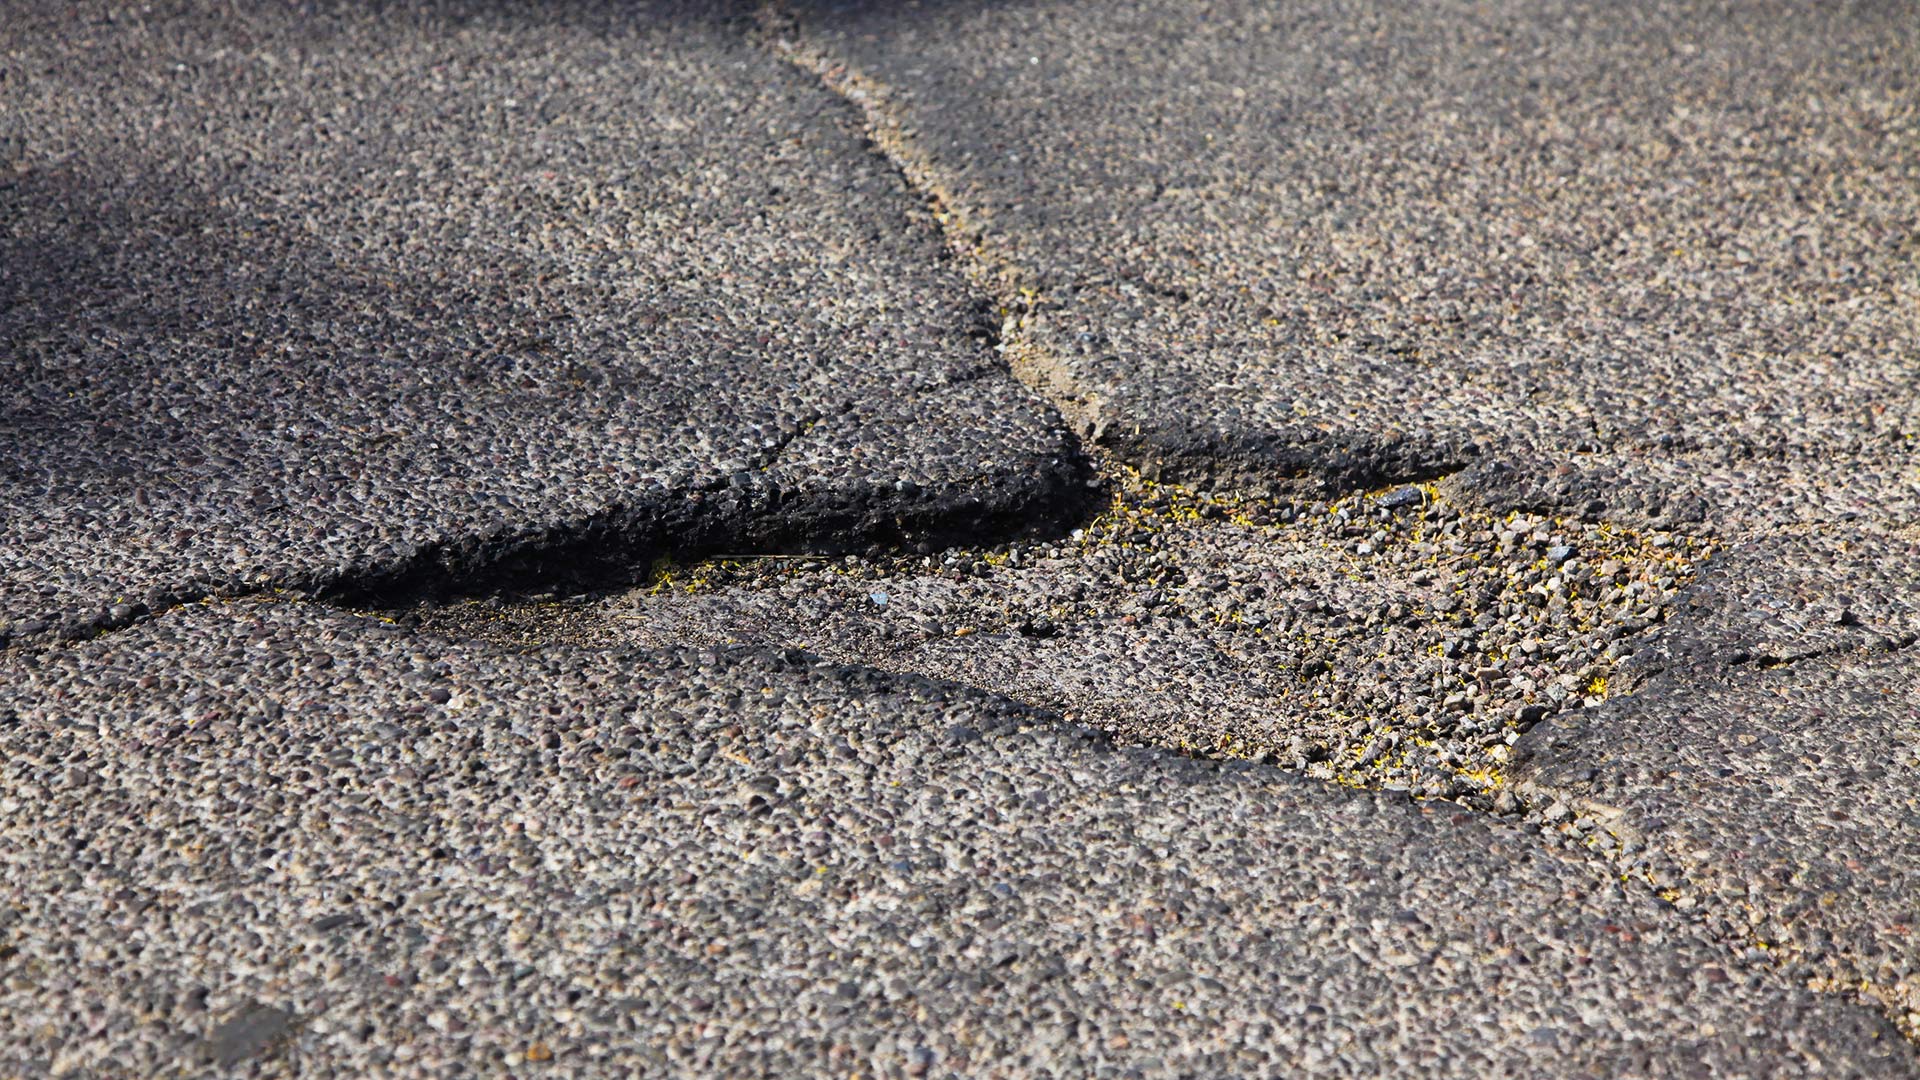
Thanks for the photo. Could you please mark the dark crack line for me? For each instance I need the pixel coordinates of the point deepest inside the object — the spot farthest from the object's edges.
(1003, 286)
(1739, 659)
(749, 513)
(1881, 645)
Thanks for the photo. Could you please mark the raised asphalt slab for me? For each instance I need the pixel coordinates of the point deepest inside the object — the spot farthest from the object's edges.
(336, 300)
(1377, 243)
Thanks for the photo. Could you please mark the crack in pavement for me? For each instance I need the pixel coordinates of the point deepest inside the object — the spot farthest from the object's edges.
(1126, 628)
(1755, 772)
(344, 374)
(1360, 717)
(1358, 276)
(1260, 462)
(1606, 485)
(1012, 291)
(1799, 868)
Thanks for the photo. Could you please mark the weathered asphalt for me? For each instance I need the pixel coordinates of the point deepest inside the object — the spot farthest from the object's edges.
(360, 849)
(355, 299)
(1378, 243)
(311, 303)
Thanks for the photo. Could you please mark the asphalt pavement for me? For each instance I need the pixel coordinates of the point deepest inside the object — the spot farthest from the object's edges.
(959, 538)
(362, 849)
(341, 299)
(1362, 244)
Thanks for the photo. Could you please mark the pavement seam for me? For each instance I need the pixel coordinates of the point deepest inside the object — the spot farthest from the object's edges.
(1009, 288)
(1329, 464)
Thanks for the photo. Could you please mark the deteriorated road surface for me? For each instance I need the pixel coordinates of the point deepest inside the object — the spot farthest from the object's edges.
(960, 538)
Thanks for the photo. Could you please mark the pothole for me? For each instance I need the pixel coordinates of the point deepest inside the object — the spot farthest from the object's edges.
(1389, 639)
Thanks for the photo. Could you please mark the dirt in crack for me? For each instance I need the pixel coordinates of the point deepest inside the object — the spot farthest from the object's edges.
(1385, 639)
(1008, 289)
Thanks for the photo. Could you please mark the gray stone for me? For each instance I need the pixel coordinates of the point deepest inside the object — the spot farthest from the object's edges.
(249, 1032)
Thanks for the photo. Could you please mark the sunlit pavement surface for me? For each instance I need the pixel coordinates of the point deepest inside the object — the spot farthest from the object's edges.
(960, 538)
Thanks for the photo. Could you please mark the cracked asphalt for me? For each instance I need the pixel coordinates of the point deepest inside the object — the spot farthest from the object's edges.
(1370, 244)
(340, 300)
(959, 538)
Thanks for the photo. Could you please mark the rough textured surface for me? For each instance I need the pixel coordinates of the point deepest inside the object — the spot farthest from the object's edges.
(312, 296)
(1785, 597)
(286, 838)
(1765, 770)
(475, 296)
(1362, 241)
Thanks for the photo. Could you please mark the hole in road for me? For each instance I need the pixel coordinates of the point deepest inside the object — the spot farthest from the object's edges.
(1389, 639)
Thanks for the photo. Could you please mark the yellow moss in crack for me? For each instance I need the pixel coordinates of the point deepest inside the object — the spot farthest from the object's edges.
(1133, 508)
(1490, 777)
(667, 576)
(662, 576)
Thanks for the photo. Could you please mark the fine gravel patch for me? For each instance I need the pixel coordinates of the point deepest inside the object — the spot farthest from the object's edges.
(1388, 639)
(317, 297)
(284, 838)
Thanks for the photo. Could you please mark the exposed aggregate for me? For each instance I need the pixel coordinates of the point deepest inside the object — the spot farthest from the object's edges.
(1384, 639)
